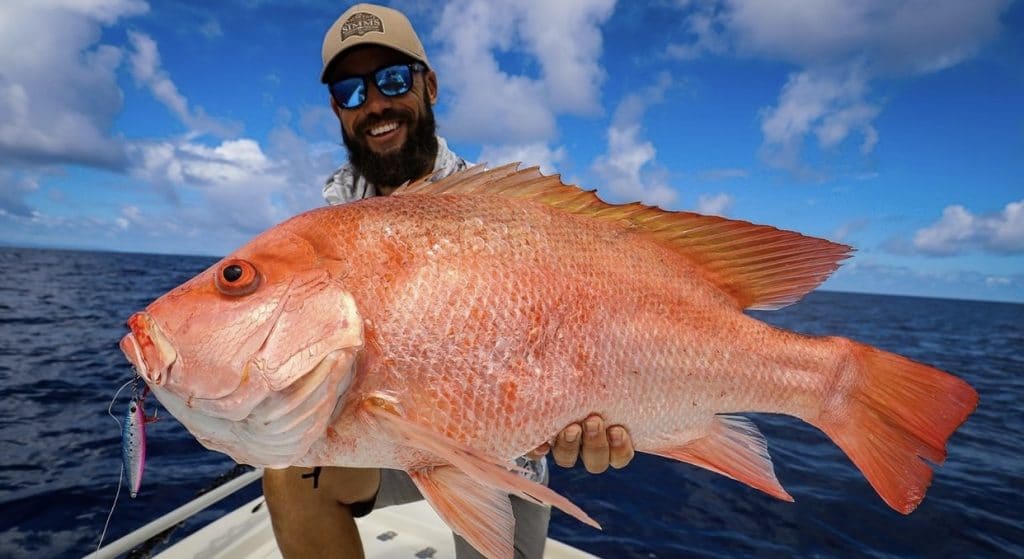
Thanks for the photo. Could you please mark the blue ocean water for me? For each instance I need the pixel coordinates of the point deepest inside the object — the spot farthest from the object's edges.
(62, 314)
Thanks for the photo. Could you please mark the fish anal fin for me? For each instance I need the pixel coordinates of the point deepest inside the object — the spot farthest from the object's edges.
(735, 448)
(480, 514)
(759, 266)
(385, 413)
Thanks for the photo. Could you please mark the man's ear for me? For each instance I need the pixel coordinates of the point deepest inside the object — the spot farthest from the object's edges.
(431, 81)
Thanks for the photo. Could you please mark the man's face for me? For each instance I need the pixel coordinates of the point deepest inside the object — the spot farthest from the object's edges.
(390, 139)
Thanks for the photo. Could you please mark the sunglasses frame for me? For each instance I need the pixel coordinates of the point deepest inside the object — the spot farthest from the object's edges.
(414, 68)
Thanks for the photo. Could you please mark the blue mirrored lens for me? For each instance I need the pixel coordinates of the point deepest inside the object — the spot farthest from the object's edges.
(349, 93)
(393, 80)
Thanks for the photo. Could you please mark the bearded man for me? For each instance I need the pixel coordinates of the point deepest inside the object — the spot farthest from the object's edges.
(382, 89)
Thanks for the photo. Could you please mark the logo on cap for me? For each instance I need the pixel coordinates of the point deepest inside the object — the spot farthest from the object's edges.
(361, 23)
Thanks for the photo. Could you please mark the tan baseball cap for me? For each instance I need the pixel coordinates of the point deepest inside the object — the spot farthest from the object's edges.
(369, 24)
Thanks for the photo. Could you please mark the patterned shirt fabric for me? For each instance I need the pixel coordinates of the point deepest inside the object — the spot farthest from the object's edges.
(347, 185)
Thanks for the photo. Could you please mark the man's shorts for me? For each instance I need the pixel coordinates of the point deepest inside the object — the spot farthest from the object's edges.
(397, 488)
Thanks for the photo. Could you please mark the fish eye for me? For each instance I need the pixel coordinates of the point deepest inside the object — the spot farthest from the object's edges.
(236, 277)
(233, 272)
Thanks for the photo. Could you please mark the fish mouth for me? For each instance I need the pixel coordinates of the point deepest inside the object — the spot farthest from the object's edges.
(148, 349)
(266, 401)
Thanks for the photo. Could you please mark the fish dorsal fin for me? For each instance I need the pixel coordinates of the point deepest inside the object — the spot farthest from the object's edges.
(760, 266)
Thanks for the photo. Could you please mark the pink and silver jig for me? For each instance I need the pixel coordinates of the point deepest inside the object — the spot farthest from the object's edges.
(133, 444)
(133, 441)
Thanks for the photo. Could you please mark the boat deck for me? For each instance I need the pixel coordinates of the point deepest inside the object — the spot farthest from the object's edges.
(412, 531)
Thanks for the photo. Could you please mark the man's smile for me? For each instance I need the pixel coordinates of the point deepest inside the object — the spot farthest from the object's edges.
(383, 128)
(385, 136)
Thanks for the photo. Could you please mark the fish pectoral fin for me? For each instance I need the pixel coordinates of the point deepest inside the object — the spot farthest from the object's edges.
(734, 448)
(480, 514)
(385, 413)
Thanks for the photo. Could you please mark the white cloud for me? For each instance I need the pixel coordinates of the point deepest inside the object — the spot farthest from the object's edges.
(58, 85)
(59, 100)
(14, 187)
(959, 230)
(828, 104)
(893, 38)
(840, 47)
(130, 215)
(570, 70)
(537, 153)
(492, 104)
(106, 12)
(317, 122)
(722, 174)
(233, 180)
(866, 274)
(147, 72)
(215, 197)
(235, 186)
(714, 204)
(998, 281)
(843, 233)
(211, 29)
(221, 192)
(706, 29)
(628, 170)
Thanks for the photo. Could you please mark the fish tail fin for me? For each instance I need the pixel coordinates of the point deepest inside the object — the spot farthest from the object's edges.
(889, 413)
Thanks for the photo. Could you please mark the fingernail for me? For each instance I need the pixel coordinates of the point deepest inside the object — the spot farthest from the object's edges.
(572, 433)
(615, 436)
(593, 426)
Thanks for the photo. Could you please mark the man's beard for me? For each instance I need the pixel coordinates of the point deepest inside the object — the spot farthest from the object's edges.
(413, 160)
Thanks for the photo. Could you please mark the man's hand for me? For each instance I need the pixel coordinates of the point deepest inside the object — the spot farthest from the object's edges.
(600, 447)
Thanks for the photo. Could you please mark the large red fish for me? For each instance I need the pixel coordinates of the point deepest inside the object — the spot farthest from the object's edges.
(454, 326)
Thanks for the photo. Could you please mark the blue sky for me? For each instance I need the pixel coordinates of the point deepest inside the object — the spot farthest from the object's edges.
(186, 127)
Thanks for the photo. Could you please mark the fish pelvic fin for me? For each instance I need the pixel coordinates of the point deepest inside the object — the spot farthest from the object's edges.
(735, 448)
(888, 414)
(481, 514)
(385, 413)
(761, 267)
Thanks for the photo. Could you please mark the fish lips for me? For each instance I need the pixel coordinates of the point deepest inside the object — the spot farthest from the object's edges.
(156, 360)
(148, 349)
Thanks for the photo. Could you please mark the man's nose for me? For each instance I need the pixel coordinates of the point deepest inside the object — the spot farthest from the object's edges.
(376, 101)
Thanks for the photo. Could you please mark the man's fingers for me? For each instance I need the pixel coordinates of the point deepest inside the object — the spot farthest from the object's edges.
(595, 445)
(567, 446)
(598, 447)
(621, 451)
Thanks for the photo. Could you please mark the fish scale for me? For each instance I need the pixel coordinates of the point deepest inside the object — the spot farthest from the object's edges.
(496, 282)
(454, 326)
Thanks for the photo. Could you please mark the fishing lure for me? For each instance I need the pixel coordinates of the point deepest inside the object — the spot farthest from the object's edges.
(133, 441)
(133, 444)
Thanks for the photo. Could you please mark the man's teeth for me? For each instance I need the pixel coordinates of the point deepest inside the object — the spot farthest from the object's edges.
(383, 128)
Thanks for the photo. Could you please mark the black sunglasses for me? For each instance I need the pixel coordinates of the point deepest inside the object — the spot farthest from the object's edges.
(391, 81)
